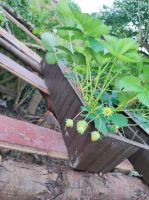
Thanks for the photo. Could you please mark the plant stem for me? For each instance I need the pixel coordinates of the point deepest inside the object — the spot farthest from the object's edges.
(104, 85)
(97, 80)
(125, 102)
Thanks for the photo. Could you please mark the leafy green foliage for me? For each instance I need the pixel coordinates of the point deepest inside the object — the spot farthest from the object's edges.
(95, 45)
(122, 16)
(90, 25)
(133, 84)
(130, 83)
(100, 124)
(146, 73)
(108, 71)
(49, 41)
(64, 13)
(123, 49)
(50, 57)
(38, 13)
(143, 96)
(1, 16)
(119, 120)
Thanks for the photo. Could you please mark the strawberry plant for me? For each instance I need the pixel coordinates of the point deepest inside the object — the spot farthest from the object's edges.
(108, 71)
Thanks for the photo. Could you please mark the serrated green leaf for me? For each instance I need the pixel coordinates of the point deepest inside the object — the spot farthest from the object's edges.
(50, 57)
(66, 31)
(95, 45)
(49, 41)
(100, 124)
(119, 120)
(124, 96)
(64, 13)
(129, 57)
(124, 49)
(111, 129)
(90, 116)
(100, 58)
(146, 73)
(130, 83)
(143, 96)
(91, 26)
(85, 108)
(79, 58)
(66, 50)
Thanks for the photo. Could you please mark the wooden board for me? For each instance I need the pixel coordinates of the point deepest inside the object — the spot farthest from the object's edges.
(25, 59)
(100, 156)
(140, 161)
(26, 137)
(19, 45)
(21, 26)
(23, 73)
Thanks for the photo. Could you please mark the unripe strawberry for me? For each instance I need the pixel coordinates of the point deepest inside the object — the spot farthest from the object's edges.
(82, 126)
(69, 123)
(95, 135)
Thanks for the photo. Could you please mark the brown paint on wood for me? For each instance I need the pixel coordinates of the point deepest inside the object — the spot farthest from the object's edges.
(105, 154)
(140, 161)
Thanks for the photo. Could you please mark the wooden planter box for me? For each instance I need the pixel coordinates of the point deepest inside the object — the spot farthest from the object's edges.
(140, 159)
(100, 156)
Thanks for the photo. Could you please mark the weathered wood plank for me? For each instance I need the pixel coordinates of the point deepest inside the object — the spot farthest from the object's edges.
(7, 90)
(10, 17)
(19, 45)
(23, 73)
(140, 161)
(24, 58)
(26, 137)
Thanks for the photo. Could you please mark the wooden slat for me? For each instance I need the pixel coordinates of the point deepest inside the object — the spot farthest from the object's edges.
(140, 161)
(26, 137)
(19, 45)
(125, 167)
(10, 17)
(17, 16)
(28, 61)
(23, 73)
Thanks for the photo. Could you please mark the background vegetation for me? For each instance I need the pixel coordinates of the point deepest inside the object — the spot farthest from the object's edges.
(126, 18)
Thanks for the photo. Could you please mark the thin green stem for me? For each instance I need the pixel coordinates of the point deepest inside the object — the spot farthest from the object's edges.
(97, 80)
(104, 85)
(126, 101)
